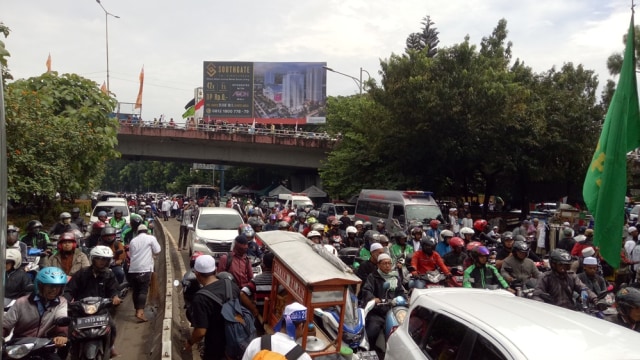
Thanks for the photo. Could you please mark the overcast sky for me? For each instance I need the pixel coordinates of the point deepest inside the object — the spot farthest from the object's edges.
(172, 38)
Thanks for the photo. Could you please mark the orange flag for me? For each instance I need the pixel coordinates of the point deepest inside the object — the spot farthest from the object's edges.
(139, 99)
(49, 63)
(103, 88)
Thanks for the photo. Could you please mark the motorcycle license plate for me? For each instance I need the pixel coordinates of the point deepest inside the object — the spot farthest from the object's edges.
(92, 321)
(434, 286)
(31, 258)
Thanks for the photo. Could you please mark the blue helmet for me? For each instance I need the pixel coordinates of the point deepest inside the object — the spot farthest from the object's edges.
(50, 276)
(248, 231)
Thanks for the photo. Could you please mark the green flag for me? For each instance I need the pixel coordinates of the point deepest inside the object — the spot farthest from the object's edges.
(190, 112)
(605, 185)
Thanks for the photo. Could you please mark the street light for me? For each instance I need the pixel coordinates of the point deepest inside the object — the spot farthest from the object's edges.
(357, 81)
(106, 28)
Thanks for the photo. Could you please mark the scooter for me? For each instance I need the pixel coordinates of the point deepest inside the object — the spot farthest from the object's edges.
(353, 329)
(90, 329)
(32, 348)
(431, 279)
(33, 262)
(398, 310)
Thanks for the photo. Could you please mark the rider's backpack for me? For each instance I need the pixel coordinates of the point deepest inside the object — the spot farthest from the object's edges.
(239, 325)
(267, 354)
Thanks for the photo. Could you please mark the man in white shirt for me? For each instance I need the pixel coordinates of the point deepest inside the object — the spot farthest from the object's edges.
(292, 325)
(142, 250)
(166, 208)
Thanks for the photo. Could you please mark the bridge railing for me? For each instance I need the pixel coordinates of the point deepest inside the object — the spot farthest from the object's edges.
(236, 128)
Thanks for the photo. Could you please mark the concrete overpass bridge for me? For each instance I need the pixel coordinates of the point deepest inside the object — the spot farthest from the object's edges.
(225, 144)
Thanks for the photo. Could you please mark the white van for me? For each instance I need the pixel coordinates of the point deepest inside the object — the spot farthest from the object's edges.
(397, 207)
(297, 200)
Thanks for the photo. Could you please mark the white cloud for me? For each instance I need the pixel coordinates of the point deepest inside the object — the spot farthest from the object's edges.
(172, 38)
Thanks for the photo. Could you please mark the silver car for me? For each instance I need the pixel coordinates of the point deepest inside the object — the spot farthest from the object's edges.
(214, 231)
(459, 323)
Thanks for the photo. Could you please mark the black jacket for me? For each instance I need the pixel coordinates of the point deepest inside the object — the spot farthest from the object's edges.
(84, 284)
(374, 288)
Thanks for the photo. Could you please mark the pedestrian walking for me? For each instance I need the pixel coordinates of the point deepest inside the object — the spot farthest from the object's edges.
(142, 250)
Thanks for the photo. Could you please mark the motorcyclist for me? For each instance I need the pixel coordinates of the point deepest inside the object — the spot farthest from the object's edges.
(381, 227)
(315, 237)
(77, 219)
(334, 234)
(108, 239)
(272, 225)
(103, 216)
(505, 249)
(35, 237)
(481, 234)
(373, 289)
(96, 231)
(250, 234)
(433, 231)
(590, 276)
(17, 282)
(13, 242)
(96, 280)
(68, 257)
(628, 305)
(369, 266)
(427, 259)
(443, 246)
(481, 275)
(117, 221)
(457, 256)
(35, 315)
(518, 267)
(360, 228)
(559, 284)
(400, 249)
(351, 240)
(467, 234)
(370, 237)
(130, 232)
(63, 225)
(416, 237)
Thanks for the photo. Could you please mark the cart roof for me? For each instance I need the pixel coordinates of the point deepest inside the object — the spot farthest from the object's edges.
(311, 268)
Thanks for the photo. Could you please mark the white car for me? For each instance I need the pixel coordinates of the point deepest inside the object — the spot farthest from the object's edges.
(110, 206)
(459, 323)
(214, 231)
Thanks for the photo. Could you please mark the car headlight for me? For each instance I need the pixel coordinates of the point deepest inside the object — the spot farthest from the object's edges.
(199, 240)
(19, 351)
(90, 309)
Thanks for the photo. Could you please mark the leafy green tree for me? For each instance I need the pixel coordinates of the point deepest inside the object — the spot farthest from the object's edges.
(59, 136)
(4, 54)
(614, 62)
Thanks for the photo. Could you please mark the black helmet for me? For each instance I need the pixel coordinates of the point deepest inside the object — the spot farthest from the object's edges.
(33, 224)
(520, 246)
(507, 235)
(369, 235)
(627, 299)
(108, 230)
(367, 225)
(520, 238)
(75, 210)
(560, 256)
(117, 211)
(398, 235)
(424, 242)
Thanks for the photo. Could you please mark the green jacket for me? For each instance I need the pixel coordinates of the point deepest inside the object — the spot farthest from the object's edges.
(396, 252)
(481, 277)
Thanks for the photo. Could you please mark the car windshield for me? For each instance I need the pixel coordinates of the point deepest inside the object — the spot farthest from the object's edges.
(219, 222)
(109, 209)
(341, 208)
(301, 204)
(422, 212)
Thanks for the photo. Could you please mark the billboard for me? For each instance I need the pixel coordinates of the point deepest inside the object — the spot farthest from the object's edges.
(265, 92)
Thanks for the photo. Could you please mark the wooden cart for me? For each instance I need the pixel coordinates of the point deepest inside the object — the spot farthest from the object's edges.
(308, 278)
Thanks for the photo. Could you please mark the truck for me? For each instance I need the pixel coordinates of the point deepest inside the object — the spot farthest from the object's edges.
(198, 191)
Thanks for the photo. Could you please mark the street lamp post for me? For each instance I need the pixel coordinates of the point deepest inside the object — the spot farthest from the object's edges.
(357, 81)
(106, 28)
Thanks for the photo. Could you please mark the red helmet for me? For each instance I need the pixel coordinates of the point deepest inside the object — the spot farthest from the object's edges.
(480, 224)
(455, 242)
(473, 244)
(194, 256)
(287, 219)
(434, 224)
(99, 225)
(330, 219)
(67, 237)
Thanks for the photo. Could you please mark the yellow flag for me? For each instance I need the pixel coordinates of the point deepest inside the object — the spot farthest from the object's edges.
(139, 99)
(49, 63)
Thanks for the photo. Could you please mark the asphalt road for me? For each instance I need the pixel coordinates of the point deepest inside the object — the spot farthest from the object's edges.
(136, 340)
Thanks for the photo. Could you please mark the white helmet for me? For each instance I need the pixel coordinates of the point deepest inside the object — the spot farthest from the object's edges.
(330, 249)
(313, 233)
(100, 251)
(142, 203)
(465, 230)
(351, 230)
(142, 212)
(14, 255)
(446, 233)
(358, 222)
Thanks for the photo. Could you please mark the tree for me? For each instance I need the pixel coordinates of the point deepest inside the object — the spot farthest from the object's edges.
(59, 136)
(614, 62)
(426, 39)
(4, 54)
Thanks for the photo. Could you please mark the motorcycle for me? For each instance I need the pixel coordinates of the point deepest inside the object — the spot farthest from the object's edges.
(32, 348)
(353, 329)
(431, 279)
(603, 307)
(90, 328)
(33, 261)
(255, 265)
(395, 316)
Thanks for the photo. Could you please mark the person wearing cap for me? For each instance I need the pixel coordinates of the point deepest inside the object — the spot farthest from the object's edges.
(237, 262)
(373, 289)
(13, 242)
(368, 267)
(631, 240)
(208, 323)
(290, 327)
(582, 242)
(590, 276)
(142, 250)
(454, 221)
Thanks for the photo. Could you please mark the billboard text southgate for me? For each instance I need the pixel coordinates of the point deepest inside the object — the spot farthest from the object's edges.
(269, 92)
